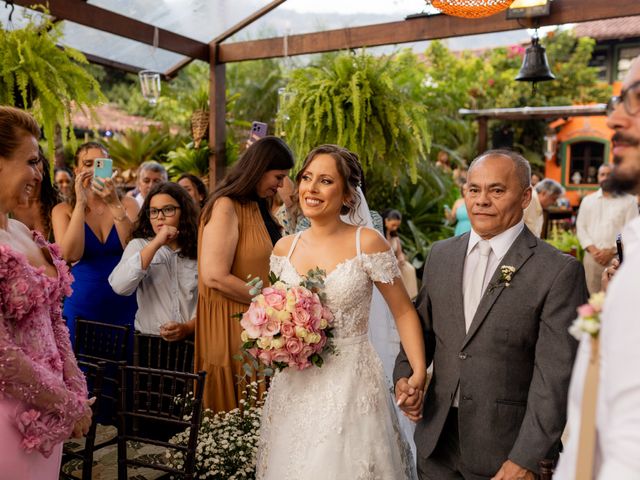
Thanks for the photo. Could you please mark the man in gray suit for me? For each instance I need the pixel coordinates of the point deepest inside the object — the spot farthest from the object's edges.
(495, 304)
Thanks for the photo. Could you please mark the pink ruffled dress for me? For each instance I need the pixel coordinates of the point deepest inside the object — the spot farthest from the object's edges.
(42, 391)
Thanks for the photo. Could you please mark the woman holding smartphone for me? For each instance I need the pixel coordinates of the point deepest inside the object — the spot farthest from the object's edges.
(92, 231)
(159, 264)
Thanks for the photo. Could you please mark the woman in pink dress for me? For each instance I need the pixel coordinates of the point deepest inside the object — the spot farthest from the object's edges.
(43, 394)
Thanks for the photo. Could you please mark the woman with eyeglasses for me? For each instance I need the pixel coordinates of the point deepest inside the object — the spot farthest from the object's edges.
(159, 264)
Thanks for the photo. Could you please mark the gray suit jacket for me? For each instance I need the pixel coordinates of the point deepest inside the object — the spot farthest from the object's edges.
(514, 364)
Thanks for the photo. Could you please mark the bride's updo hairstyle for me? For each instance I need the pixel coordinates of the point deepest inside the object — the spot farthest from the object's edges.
(349, 168)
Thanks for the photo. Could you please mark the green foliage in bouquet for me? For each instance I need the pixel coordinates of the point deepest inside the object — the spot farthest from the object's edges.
(566, 241)
(38, 74)
(227, 441)
(365, 103)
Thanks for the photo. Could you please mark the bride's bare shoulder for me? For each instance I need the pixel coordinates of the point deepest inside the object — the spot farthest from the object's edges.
(281, 248)
(371, 241)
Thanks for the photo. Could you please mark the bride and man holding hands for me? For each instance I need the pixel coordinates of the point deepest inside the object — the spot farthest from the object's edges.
(492, 319)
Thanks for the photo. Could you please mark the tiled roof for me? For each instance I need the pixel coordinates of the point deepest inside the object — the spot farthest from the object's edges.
(614, 28)
(110, 117)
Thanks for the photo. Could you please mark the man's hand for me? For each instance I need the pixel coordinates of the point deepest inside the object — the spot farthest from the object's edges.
(513, 471)
(410, 399)
(608, 274)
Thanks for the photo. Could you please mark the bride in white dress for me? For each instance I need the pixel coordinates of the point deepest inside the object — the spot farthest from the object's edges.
(338, 422)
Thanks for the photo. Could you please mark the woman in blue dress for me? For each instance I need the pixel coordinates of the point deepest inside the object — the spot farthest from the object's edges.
(458, 215)
(92, 231)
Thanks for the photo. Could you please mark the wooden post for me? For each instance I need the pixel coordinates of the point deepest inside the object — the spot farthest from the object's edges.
(482, 134)
(218, 110)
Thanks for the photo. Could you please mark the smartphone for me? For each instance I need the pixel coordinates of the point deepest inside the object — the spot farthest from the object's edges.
(258, 130)
(619, 246)
(102, 168)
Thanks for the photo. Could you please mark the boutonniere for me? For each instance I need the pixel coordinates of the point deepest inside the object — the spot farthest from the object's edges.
(506, 274)
(588, 320)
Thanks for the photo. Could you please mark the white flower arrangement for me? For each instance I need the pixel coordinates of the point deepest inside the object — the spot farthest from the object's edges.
(506, 274)
(588, 320)
(227, 441)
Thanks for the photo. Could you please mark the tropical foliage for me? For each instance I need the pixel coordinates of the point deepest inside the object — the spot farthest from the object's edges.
(365, 103)
(188, 159)
(130, 149)
(38, 74)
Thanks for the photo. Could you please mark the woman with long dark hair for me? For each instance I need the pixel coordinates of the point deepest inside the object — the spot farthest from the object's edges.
(92, 231)
(159, 264)
(194, 187)
(236, 237)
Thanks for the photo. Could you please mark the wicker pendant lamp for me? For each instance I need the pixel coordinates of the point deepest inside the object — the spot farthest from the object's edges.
(470, 8)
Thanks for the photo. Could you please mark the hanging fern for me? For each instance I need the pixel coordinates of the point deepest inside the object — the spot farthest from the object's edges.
(45, 77)
(364, 103)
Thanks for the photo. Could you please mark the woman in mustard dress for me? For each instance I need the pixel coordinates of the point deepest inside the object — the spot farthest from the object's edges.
(236, 236)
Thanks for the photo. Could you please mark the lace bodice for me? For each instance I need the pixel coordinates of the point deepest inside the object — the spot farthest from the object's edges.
(347, 287)
(38, 370)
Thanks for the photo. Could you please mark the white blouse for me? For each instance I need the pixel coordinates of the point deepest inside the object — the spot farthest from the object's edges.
(167, 291)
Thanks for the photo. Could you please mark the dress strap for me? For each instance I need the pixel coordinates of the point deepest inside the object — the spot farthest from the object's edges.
(358, 251)
(293, 244)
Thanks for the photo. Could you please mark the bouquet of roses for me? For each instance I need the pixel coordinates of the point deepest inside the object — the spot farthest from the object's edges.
(288, 326)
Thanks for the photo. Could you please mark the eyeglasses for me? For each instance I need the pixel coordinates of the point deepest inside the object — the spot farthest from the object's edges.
(168, 211)
(629, 98)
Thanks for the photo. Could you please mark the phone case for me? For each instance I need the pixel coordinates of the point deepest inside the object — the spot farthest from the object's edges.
(102, 168)
(258, 129)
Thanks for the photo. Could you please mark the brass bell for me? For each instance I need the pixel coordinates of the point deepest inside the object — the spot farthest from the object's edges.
(535, 67)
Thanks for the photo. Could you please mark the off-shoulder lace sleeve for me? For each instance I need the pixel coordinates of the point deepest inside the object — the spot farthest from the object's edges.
(276, 263)
(381, 267)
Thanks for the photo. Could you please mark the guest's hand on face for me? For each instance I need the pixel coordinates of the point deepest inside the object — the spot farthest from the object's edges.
(513, 471)
(166, 234)
(410, 399)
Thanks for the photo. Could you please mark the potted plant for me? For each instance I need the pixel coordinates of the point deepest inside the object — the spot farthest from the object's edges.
(37, 73)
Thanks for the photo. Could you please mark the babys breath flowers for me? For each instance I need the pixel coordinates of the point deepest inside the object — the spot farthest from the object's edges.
(588, 319)
(227, 441)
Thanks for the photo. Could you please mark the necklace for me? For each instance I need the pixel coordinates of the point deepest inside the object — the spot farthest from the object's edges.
(98, 210)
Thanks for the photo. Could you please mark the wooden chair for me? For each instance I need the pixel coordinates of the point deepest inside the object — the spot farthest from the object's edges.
(153, 400)
(95, 342)
(153, 351)
(546, 469)
(73, 449)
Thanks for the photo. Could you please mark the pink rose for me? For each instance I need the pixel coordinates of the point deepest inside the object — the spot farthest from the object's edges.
(271, 328)
(293, 345)
(306, 352)
(265, 356)
(281, 356)
(301, 317)
(326, 314)
(274, 298)
(288, 330)
(257, 315)
(585, 310)
(252, 330)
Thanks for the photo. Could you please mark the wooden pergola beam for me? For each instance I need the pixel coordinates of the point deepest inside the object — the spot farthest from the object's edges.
(85, 14)
(419, 29)
(111, 63)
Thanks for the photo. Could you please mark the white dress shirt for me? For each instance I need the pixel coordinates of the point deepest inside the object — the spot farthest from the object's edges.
(167, 291)
(601, 218)
(500, 245)
(534, 214)
(618, 408)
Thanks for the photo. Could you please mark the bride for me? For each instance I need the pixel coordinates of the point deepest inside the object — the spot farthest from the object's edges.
(338, 421)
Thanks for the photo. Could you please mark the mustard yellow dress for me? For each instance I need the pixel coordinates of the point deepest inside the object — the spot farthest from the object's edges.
(217, 334)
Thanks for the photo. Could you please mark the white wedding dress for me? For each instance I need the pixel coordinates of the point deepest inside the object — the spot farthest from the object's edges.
(336, 422)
